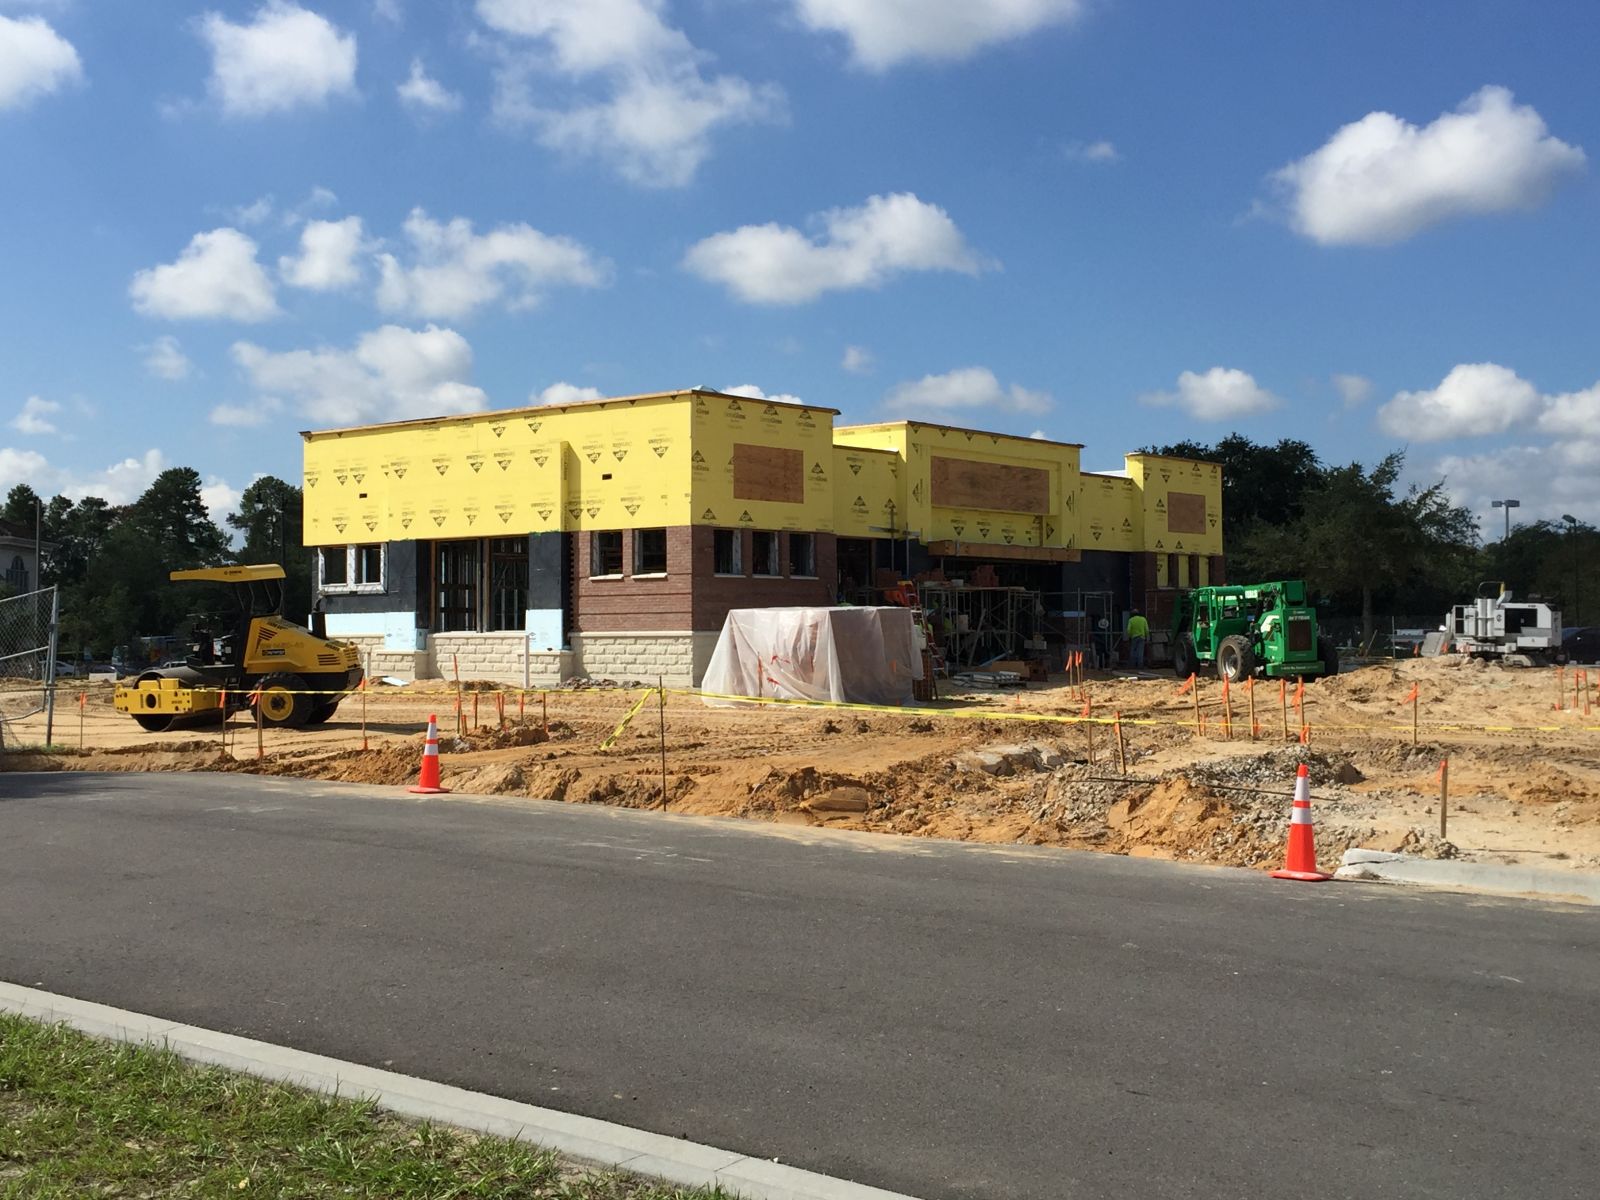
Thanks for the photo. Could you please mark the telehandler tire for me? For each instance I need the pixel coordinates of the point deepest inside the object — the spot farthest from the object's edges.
(283, 701)
(1236, 659)
(1329, 654)
(1184, 658)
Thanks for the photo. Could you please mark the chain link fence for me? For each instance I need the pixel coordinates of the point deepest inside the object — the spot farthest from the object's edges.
(27, 659)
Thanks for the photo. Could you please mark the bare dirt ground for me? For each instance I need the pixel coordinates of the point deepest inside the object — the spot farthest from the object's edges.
(1524, 776)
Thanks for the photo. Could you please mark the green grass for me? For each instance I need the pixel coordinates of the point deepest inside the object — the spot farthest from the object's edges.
(85, 1118)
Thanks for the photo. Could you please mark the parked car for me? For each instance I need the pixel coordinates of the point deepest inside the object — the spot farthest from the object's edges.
(1581, 645)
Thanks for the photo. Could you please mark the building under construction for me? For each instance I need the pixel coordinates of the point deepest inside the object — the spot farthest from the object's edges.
(609, 538)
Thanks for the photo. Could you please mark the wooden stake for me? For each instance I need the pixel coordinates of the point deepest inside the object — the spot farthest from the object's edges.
(1250, 698)
(1122, 749)
(500, 709)
(455, 670)
(544, 709)
(1198, 728)
(522, 706)
(83, 700)
(364, 744)
(1561, 686)
(222, 698)
(1227, 711)
(661, 709)
(261, 748)
(1444, 799)
(1088, 732)
(1414, 719)
(1283, 703)
(474, 710)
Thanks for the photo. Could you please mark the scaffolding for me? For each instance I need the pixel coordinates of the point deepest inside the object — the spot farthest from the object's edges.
(1083, 620)
(980, 625)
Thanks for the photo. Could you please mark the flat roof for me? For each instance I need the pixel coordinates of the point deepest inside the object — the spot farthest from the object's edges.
(527, 408)
(1018, 437)
(1204, 462)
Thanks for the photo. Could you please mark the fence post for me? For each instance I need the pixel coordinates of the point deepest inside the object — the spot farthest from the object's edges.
(50, 665)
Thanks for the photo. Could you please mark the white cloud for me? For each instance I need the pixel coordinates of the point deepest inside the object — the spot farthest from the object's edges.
(247, 416)
(857, 360)
(327, 259)
(563, 392)
(219, 498)
(1220, 394)
(35, 61)
(119, 483)
(1354, 390)
(388, 10)
(883, 33)
(755, 393)
(426, 94)
(391, 373)
(164, 359)
(254, 213)
(458, 271)
(1091, 152)
(217, 275)
(860, 247)
(966, 387)
(1472, 400)
(1040, 434)
(35, 416)
(1382, 179)
(641, 102)
(1548, 480)
(285, 58)
(1573, 414)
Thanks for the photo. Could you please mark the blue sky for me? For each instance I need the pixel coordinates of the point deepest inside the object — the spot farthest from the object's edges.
(1368, 225)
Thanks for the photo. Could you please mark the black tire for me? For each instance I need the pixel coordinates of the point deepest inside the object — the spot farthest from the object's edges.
(159, 723)
(1329, 654)
(321, 713)
(284, 703)
(1184, 657)
(1236, 658)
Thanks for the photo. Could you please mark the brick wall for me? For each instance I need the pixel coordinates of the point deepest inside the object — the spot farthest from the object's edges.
(715, 594)
(629, 603)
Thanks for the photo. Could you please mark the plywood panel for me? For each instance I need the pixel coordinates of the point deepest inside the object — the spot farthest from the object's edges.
(768, 473)
(1186, 512)
(964, 483)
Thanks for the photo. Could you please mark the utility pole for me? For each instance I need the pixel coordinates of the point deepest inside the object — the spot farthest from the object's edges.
(38, 543)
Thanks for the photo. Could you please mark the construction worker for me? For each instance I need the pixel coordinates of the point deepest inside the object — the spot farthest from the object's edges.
(1138, 634)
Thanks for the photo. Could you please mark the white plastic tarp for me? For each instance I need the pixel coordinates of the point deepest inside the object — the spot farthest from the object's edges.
(852, 655)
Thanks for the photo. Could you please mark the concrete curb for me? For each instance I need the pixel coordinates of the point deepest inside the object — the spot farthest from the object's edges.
(592, 1141)
(1380, 866)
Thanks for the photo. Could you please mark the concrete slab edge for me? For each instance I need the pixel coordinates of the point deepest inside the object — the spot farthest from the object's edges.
(587, 1139)
(1572, 887)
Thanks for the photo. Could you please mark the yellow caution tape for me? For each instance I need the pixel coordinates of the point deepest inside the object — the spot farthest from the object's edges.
(623, 724)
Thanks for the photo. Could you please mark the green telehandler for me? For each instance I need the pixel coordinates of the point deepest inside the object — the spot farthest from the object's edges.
(1251, 629)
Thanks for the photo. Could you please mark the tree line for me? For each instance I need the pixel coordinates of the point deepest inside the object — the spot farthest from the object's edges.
(111, 561)
(1362, 543)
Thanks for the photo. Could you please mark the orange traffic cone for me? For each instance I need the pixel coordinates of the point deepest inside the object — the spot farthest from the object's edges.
(1302, 858)
(428, 781)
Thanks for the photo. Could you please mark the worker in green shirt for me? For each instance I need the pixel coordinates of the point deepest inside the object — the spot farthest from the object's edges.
(1138, 634)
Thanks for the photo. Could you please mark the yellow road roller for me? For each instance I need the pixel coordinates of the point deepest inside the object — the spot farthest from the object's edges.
(296, 677)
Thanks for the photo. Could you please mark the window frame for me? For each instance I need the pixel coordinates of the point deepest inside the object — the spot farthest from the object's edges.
(809, 540)
(639, 571)
(737, 542)
(350, 585)
(774, 555)
(594, 554)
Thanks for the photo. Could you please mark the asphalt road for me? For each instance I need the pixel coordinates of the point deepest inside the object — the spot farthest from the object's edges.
(940, 1019)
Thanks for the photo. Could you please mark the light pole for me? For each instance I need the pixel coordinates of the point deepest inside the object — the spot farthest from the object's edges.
(1572, 536)
(1508, 505)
